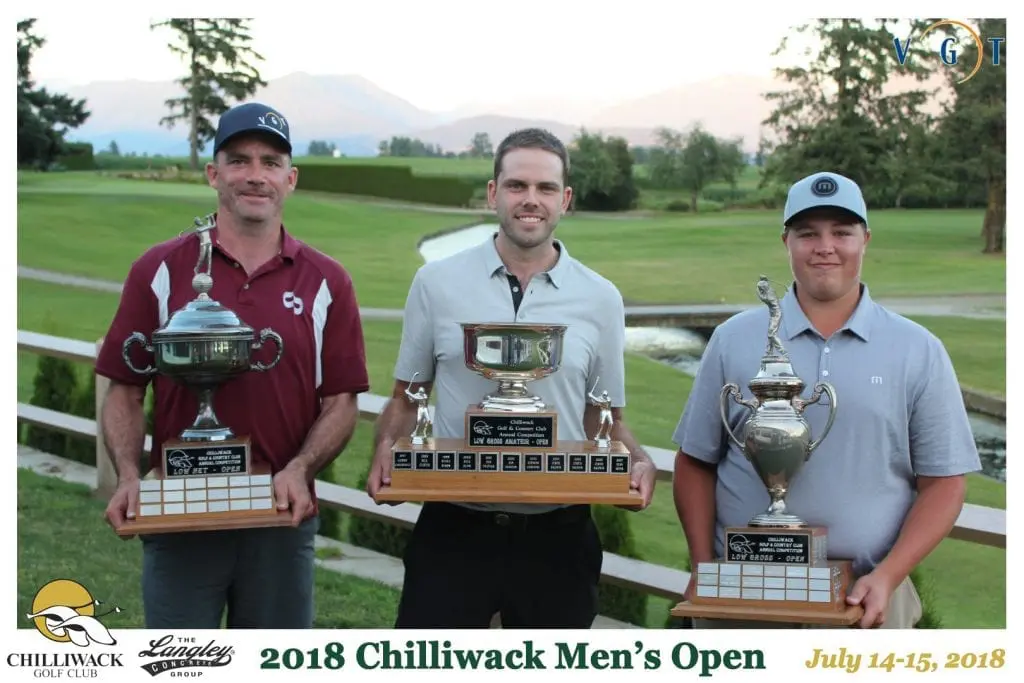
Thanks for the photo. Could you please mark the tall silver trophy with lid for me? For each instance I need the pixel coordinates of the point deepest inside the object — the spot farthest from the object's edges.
(205, 478)
(777, 568)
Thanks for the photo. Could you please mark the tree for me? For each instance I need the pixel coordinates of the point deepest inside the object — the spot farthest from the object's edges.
(837, 114)
(694, 161)
(44, 118)
(974, 128)
(481, 146)
(220, 67)
(601, 173)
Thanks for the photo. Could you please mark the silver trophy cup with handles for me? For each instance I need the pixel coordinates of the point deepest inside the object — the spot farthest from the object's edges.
(203, 345)
(776, 438)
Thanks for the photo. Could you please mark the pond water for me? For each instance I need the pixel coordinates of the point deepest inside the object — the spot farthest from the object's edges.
(682, 348)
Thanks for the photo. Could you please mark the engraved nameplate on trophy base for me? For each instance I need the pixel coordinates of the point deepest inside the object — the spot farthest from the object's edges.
(807, 546)
(774, 575)
(760, 591)
(526, 430)
(571, 472)
(205, 486)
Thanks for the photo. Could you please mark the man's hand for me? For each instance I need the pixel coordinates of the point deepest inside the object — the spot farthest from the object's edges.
(380, 471)
(123, 504)
(291, 488)
(642, 480)
(872, 591)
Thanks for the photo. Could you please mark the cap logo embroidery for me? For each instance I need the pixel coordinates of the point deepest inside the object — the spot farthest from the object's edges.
(273, 121)
(824, 187)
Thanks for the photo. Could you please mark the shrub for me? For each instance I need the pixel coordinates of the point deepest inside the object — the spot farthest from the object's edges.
(54, 387)
(390, 182)
(617, 602)
(330, 518)
(83, 404)
(373, 534)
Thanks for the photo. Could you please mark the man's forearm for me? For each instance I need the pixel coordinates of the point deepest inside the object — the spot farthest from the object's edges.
(621, 432)
(123, 423)
(693, 489)
(329, 435)
(934, 512)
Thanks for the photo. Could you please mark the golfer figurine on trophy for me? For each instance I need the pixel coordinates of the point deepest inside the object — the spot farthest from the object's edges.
(424, 427)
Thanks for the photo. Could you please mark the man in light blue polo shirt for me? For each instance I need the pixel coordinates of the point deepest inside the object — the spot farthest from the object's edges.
(536, 565)
(888, 481)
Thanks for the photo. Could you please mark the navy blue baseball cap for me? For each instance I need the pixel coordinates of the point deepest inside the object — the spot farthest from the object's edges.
(824, 190)
(252, 117)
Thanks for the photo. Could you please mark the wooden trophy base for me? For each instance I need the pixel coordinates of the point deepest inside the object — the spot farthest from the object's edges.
(205, 503)
(571, 472)
(762, 591)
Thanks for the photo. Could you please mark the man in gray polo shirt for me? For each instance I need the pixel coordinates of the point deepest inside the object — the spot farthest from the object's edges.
(536, 565)
(888, 481)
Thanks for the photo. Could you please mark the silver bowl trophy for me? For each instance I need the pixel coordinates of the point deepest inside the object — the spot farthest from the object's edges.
(206, 478)
(777, 567)
(510, 451)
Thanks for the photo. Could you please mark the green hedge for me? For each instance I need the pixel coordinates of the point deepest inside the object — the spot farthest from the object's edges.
(78, 156)
(388, 182)
(616, 602)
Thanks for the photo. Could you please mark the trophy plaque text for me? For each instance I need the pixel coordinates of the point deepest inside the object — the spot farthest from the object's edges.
(511, 452)
(205, 478)
(777, 567)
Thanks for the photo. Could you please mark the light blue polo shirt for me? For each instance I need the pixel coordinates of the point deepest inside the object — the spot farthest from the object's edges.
(900, 414)
(472, 286)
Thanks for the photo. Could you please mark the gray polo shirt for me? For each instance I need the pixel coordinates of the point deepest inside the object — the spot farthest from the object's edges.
(472, 286)
(900, 414)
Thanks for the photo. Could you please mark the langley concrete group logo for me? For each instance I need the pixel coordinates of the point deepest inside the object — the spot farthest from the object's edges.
(64, 611)
(67, 616)
(174, 653)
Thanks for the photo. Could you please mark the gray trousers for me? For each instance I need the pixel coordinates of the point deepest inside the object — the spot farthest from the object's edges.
(262, 578)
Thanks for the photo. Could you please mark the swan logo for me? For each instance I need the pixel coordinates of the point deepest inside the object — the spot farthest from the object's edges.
(64, 611)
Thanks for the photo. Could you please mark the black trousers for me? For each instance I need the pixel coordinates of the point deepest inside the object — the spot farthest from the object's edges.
(539, 571)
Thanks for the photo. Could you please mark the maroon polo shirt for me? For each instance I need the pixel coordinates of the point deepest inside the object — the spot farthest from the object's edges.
(303, 295)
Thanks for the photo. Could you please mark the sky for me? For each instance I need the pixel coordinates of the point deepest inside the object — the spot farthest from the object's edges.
(438, 55)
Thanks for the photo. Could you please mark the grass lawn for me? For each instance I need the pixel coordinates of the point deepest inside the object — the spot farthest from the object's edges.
(86, 550)
(89, 225)
(657, 394)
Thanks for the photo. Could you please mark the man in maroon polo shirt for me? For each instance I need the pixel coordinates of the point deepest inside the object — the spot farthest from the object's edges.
(300, 414)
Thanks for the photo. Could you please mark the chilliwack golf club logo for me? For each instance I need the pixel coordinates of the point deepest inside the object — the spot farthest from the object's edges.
(482, 428)
(65, 611)
(739, 544)
(173, 653)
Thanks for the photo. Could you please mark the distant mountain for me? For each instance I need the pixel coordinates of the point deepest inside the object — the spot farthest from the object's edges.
(728, 106)
(355, 114)
(350, 111)
(457, 135)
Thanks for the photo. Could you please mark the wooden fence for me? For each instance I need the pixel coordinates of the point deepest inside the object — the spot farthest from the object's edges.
(977, 524)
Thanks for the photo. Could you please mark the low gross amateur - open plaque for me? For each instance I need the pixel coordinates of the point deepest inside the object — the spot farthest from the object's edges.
(511, 452)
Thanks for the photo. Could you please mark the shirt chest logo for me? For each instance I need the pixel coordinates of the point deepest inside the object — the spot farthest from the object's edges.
(293, 302)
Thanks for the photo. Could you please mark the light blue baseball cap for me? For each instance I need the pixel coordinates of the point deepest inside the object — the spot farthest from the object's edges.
(821, 190)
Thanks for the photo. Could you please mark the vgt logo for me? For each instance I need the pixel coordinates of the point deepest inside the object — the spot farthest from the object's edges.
(293, 302)
(948, 47)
